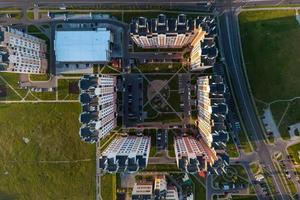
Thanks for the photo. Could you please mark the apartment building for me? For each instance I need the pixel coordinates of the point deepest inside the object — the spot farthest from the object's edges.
(98, 99)
(21, 52)
(212, 110)
(191, 155)
(204, 51)
(126, 154)
(163, 32)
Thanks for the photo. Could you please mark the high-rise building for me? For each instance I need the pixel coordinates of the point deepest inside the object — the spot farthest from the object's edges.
(21, 52)
(126, 154)
(204, 51)
(193, 155)
(163, 32)
(98, 99)
(212, 110)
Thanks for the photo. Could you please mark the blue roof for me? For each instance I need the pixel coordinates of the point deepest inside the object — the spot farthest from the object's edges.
(82, 46)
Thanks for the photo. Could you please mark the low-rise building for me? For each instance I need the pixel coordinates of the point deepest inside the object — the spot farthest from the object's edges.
(154, 190)
(98, 99)
(21, 52)
(142, 191)
(160, 187)
(76, 50)
(172, 193)
(126, 154)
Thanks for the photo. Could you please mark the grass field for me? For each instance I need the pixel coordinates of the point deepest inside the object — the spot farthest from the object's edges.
(64, 92)
(293, 151)
(243, 197)
(31, 171)
(109, 187)
(39, 77)
(271, 45)
(158, 67)
(200, 192)
(12, 79)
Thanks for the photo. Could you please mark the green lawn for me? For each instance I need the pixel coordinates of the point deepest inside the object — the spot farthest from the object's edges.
(109, 187)
(39, 77)
(158, 67)
(293, 151)
(271, 45)
(244, 197)
(291, 117)
(231, 148)
(13, 79)
(236, 174)
(109, 70)
(171, 149)
(167, 118)
(63, 89)
(53, 133)
(255, 168)
(200, 192)
(45, 95)
(174, 100)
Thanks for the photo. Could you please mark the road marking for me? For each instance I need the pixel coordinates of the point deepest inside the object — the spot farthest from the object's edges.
(247, 111)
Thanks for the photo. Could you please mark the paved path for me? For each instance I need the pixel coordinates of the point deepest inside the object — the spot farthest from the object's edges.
(26, 82)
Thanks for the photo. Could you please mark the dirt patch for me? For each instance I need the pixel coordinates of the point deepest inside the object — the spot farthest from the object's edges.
(3, 91)
(73, 87)
(154, 86)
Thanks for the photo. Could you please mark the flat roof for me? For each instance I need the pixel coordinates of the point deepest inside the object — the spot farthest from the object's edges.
(82, 46)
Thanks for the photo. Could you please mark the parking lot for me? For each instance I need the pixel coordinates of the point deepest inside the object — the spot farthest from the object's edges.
(133, 99)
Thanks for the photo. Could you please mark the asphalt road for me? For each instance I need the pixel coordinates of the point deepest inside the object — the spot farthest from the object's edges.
(243, 3)
(21, 3)
(231, 50)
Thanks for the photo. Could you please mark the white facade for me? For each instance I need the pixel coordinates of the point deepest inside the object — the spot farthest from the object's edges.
(172, 194)
(164, 33)
(127, 154)
(142, 190)
(101, 104)
(188, 147)
(211, 106)
(21, 52)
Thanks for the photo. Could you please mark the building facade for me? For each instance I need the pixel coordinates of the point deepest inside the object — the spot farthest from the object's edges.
(163, 32)
(142, 191)
(126, 154)
(98, 99)
(204, 51)
(21, 52)
(154, 190)
(211, 121)
(191, 156)
(212, 110)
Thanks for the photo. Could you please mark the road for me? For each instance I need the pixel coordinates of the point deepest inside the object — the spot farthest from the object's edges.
(250, 3)
(27, 3)
(232, 51)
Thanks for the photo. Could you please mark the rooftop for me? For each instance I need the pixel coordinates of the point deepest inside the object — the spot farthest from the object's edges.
(82, 46)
